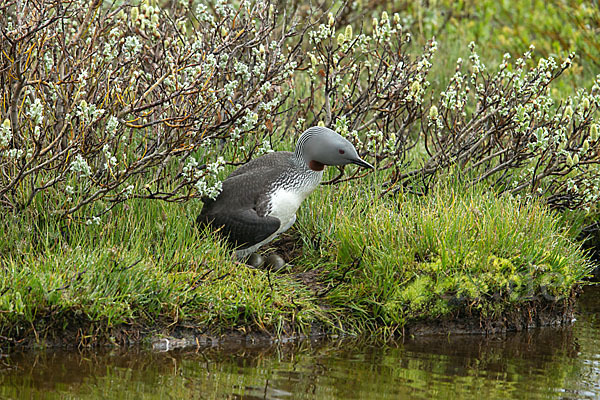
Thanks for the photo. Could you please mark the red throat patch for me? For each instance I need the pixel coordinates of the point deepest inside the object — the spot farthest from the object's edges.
(315, 165)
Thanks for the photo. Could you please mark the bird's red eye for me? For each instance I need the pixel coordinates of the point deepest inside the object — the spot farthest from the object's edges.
(341, 151)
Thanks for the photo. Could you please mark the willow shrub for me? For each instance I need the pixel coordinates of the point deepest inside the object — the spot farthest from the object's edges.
(110, 102)
(500, 123)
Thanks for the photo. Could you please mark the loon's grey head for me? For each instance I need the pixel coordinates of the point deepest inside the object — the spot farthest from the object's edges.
(319, 146)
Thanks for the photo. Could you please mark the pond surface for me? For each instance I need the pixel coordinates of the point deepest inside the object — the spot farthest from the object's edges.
(545, 363)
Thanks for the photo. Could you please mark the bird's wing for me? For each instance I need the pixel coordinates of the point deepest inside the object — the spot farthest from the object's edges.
(243, 228)
(269, 161)
(240, 186)
(241, 209)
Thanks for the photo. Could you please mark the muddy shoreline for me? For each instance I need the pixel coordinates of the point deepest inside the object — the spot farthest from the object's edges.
(531, 315)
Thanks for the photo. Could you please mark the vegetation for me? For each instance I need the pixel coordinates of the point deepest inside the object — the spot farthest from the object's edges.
(148, 268)
(376, 264)
(457, 251)
(116, 118)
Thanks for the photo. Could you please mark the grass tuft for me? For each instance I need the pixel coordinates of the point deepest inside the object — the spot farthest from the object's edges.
(458, 250)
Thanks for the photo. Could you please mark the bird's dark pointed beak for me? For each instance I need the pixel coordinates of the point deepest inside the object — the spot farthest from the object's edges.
(362, 163)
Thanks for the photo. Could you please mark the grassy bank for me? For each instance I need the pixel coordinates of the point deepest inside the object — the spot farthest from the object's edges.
(88, 254)
(365, 265)
(457, 252)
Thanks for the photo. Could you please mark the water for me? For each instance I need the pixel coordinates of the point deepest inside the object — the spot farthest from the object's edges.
(561, 363)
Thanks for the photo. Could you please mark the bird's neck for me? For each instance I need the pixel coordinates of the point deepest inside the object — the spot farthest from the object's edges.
(300, 156)
(307, 165)
(311, 170)
(315, 165)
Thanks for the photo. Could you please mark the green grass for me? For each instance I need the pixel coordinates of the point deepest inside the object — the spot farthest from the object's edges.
(146, 266)
(456, 250)
(380, 263)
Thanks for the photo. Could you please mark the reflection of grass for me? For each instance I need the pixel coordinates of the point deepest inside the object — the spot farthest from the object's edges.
(420, 258)
(538, 363)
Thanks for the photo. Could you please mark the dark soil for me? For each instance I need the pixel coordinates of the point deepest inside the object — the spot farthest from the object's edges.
(288, 245)
(534, 314)
(163, 337)
(529, 316)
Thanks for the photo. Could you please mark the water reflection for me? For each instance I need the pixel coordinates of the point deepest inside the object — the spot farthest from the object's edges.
(545, 363)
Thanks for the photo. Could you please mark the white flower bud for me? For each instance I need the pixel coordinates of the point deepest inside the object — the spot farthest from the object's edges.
(569, 160)
(586, 146)
(585, 103)
(415, 87)
(331, 19)
(5, 133)
(433, 113)
(348, 32)
(594, 132)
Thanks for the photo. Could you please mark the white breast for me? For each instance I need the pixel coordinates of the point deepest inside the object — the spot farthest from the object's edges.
(284, 204)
